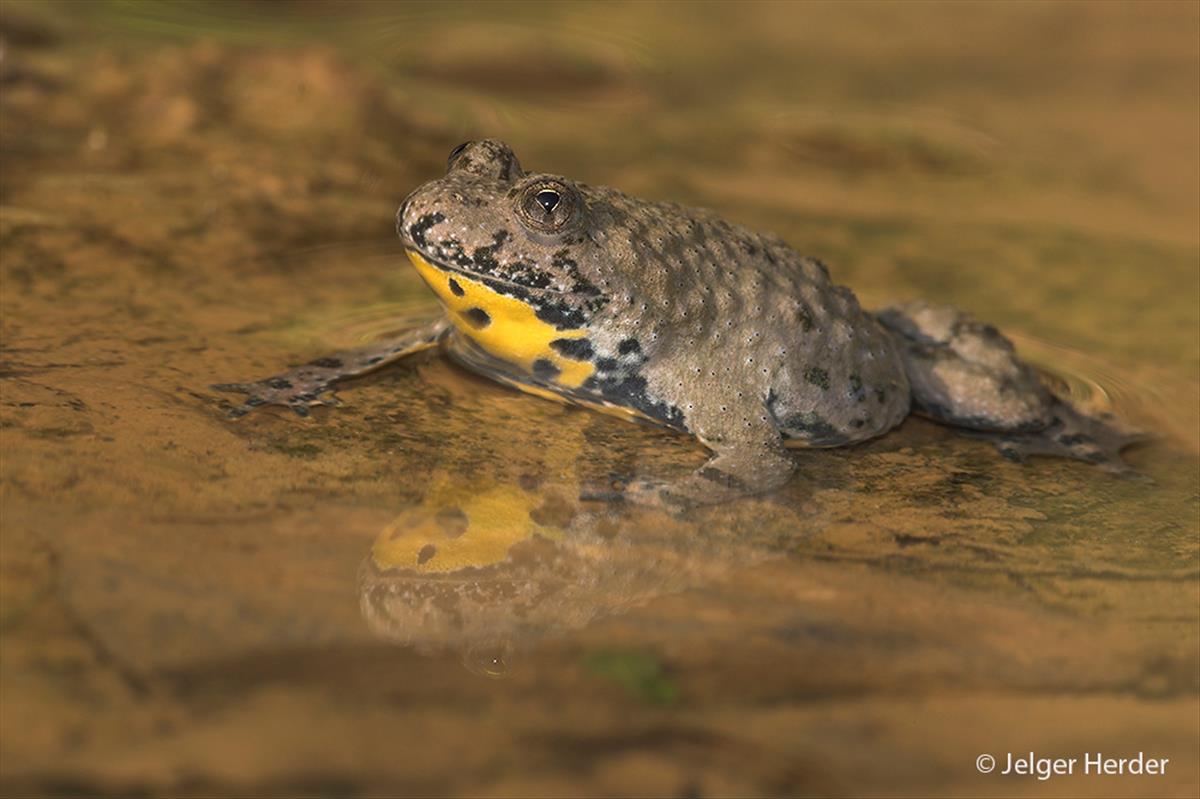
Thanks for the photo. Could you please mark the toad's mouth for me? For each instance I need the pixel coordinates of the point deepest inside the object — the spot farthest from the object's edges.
(426, 265)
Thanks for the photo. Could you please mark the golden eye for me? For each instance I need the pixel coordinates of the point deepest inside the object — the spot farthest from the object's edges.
(547, 206)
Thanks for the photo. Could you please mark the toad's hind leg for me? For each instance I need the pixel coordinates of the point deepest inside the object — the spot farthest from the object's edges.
(302, 387)
(966, 374)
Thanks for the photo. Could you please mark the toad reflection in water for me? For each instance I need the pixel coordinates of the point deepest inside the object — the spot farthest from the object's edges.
(673, 316)
(490, 570)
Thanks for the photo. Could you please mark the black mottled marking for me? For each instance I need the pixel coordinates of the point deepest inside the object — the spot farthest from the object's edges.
(456, 289)
(857, 393)
(1076, 438)
(426, 554)
(562, 261)
(607, 364)
(813, 428)
(418, 229)
(552, 307)
(523, 273)
(545, 370)
(881, 394)
(326, 363)
(577, 349)
(507, 173)
(629, 346)
(477, 318)
(523, 282)
(560, 314)
(546, 306)
(279, 383)
(818, 377)
(450, 250)
(484, 258)
(374, 359)
(721, 478)
(804, 317)
(629, 390)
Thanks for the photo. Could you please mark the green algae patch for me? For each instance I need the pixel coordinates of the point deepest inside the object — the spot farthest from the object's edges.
(641, 674)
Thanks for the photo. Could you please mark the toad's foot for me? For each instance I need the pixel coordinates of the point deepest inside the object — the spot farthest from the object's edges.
(298, 389)
(748, 459)
(1072, 434)
(303, 387)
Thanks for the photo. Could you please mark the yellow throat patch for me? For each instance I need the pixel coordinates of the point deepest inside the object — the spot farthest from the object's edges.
(503, 326)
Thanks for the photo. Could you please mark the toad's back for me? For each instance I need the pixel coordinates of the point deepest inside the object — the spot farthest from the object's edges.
(715, 306)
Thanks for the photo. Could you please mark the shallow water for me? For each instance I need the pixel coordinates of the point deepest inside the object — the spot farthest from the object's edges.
(201, 192)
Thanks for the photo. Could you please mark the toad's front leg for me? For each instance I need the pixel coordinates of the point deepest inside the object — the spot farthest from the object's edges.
(748, 458)
(302, 387)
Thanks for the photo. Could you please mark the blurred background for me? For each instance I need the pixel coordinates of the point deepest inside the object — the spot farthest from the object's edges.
(198, 192)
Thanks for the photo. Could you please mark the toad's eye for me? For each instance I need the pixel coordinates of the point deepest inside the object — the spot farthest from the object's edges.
(456, 152)
(548, 199)
(548, 205)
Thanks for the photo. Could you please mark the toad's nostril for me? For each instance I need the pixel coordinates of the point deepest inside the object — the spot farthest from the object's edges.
(455, 153)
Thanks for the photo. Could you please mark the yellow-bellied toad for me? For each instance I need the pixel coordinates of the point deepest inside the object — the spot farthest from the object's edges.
(674, 316)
